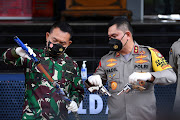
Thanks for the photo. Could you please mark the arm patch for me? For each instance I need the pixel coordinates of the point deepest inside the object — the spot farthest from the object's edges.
(158, 61)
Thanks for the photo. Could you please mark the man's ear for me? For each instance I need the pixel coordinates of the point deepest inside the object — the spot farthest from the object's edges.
(128, 34)
(47, 35)
(70, 42)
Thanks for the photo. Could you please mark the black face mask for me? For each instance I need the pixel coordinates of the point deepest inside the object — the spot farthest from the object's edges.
(115, 45)
(55, 49)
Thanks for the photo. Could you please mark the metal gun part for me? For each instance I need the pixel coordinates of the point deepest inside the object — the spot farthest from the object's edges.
(128, 87)
(104, 90)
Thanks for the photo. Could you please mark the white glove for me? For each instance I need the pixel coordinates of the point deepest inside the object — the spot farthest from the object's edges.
(23, 54)
(134, 77)
(95, 80)
(72, 106)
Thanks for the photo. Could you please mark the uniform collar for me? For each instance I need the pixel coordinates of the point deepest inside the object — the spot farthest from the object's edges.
(135, 49)
(46, 52)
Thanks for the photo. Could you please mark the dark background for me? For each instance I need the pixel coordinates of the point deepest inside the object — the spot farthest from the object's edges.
(90, 44)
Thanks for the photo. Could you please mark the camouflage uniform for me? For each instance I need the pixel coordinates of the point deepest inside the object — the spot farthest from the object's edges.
(135, 105)
(41, 99)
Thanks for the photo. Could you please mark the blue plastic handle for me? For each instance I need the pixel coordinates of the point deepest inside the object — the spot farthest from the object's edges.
(23, 46)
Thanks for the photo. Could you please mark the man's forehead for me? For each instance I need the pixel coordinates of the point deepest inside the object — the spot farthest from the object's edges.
(112, 32)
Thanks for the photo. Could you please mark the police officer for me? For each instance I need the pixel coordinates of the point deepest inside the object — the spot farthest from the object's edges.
(174, 61)
(129, 62)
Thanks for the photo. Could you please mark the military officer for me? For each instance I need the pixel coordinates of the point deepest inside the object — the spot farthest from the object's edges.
(41, 99)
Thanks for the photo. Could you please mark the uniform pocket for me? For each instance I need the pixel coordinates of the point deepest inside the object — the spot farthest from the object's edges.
(113, 82)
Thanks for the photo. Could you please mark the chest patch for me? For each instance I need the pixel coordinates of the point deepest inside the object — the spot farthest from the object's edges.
(141, 66)
(111, 62)
(111, 70)
(140, 58)
(113, 85)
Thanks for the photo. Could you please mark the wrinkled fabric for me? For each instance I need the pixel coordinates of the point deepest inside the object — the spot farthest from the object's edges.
(115, 69)
(174, 61)
(41, 100)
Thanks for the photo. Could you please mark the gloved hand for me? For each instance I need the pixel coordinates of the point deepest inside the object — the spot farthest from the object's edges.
(134, 77)
(19, 51)
(72, 107)
(95, 80)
